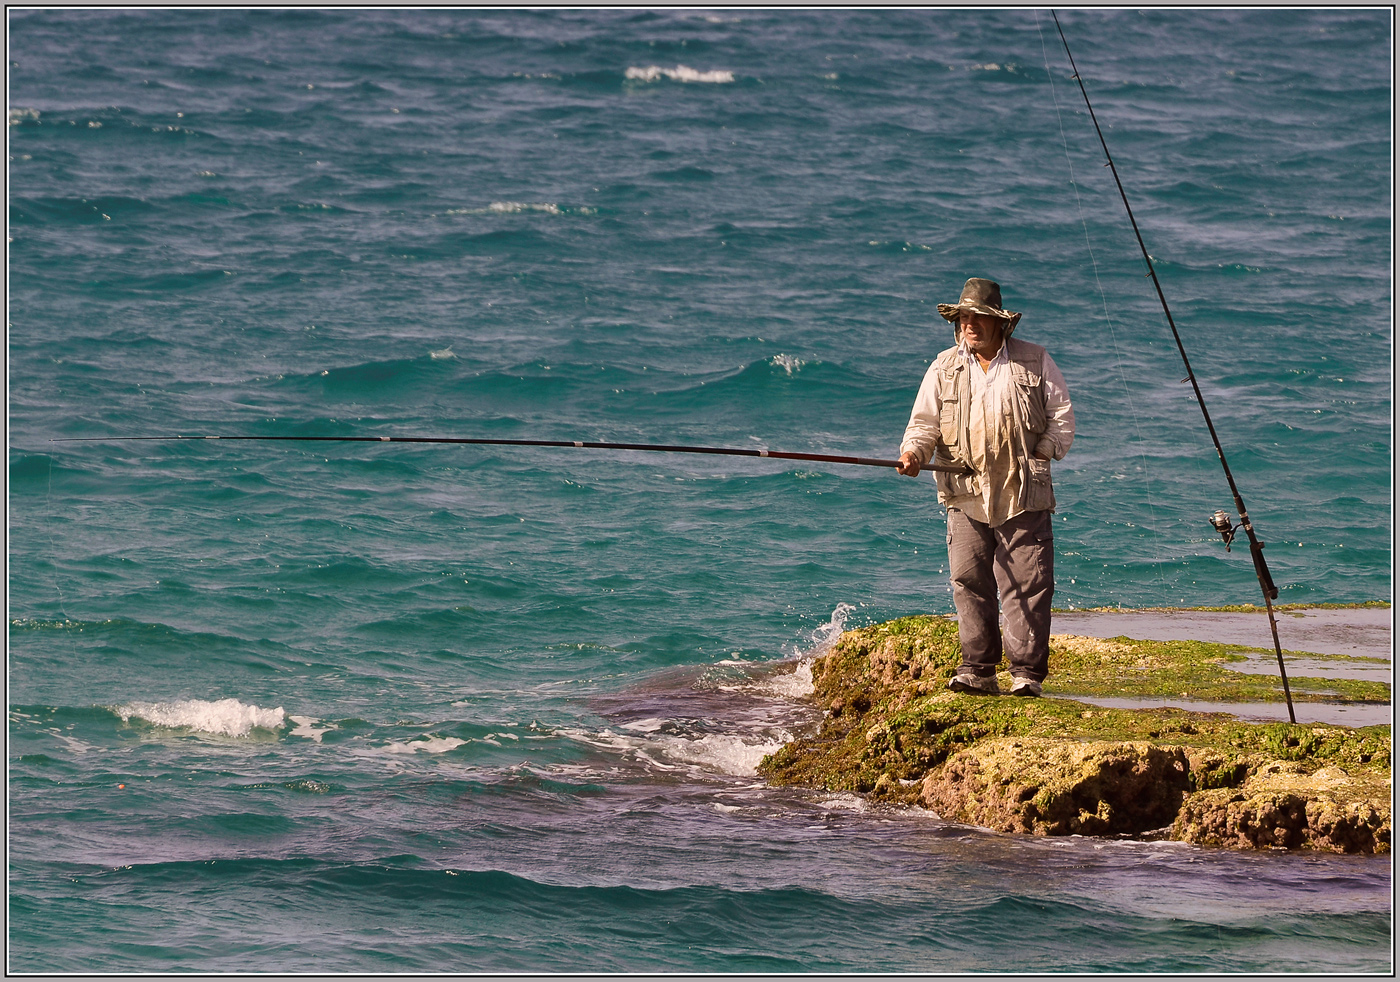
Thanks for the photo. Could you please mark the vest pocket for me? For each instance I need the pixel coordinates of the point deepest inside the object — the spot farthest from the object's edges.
(1030, 397)
(1024, 376)
(948, 423)
(1039, 495)
(955, 485)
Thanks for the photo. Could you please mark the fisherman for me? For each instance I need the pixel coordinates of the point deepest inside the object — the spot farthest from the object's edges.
(998, 406)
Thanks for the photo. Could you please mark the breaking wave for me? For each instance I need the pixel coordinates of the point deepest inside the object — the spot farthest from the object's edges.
(226, 717)
(523, 207)
(680, 73)
(798, 682)
(668, 745)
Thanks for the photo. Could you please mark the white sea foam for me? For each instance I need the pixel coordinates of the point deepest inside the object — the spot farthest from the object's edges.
(427, 744)
(788, 363)
(737, 755)
(844, 801)
(226, 717)
(514, 207)
(680, 73)
(306, 727)
(790, 685)
(644, 725)
(75, 745)
(522, 207)
(18, 115)
(441, 354)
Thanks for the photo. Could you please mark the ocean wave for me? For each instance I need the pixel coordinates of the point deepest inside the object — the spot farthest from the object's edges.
(664, 745)
(799, 683)
(425, 744)
(306, 727)
(376, 378)
(37, 624)
(523, 207)
(762, 384)
(225, 717)
(681, 73)
(77, 119)
(57, 210)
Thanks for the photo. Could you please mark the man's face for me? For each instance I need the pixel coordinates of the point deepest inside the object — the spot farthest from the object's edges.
(982, 331)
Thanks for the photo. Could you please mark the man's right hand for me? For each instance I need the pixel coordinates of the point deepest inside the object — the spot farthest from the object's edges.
(909, 464)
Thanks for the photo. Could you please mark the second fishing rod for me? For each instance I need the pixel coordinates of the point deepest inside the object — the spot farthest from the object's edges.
(1219, 520)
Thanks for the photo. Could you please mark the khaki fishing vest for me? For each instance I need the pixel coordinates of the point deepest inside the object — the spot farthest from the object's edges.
(1025, 406)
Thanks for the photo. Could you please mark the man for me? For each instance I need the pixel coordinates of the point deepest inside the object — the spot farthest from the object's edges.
(998, 406)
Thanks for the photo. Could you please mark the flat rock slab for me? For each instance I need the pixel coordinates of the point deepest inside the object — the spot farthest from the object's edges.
(1339, 714)
(1360, 632)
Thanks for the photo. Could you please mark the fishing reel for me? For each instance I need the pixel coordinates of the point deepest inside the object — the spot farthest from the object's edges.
(1227, 531)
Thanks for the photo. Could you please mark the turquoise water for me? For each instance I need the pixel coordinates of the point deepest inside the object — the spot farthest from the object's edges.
(402, 708)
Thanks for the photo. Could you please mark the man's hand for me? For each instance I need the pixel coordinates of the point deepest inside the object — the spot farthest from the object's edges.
(909, 464)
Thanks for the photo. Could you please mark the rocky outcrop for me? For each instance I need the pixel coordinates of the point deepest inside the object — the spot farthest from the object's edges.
(1282, 806)
(892, 731)
(1044, 787)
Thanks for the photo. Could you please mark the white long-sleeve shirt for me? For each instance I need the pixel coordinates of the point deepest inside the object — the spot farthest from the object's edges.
(990, 451)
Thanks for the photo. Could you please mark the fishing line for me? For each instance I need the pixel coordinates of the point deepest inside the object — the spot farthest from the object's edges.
(1219, 519)
(584, 444)
(1103, 295)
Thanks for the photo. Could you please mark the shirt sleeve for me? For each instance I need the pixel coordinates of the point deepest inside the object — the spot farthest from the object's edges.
(922, 433)
(1059, 434)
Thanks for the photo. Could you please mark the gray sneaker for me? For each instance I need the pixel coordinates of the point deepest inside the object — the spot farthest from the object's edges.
(974, 684)
(1025, 687)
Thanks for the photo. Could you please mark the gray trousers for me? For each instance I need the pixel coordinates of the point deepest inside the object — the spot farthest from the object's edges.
(1017, 559)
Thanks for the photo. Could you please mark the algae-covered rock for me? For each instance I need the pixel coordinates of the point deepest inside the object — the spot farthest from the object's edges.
(1054, 766)
(1189, 669)
(1283, 806)
(1046, 787)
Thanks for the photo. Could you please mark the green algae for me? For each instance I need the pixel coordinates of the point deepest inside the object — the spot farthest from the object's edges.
(1228, 608)
(1124, 666)
(890, 719)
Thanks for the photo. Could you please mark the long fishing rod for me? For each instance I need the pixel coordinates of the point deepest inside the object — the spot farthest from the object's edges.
(585, 444)
(1219, 519)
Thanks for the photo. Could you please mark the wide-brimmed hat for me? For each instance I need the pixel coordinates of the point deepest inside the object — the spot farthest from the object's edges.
(980, 297)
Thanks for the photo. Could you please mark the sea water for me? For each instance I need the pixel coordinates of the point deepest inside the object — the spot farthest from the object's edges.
(344, 707)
